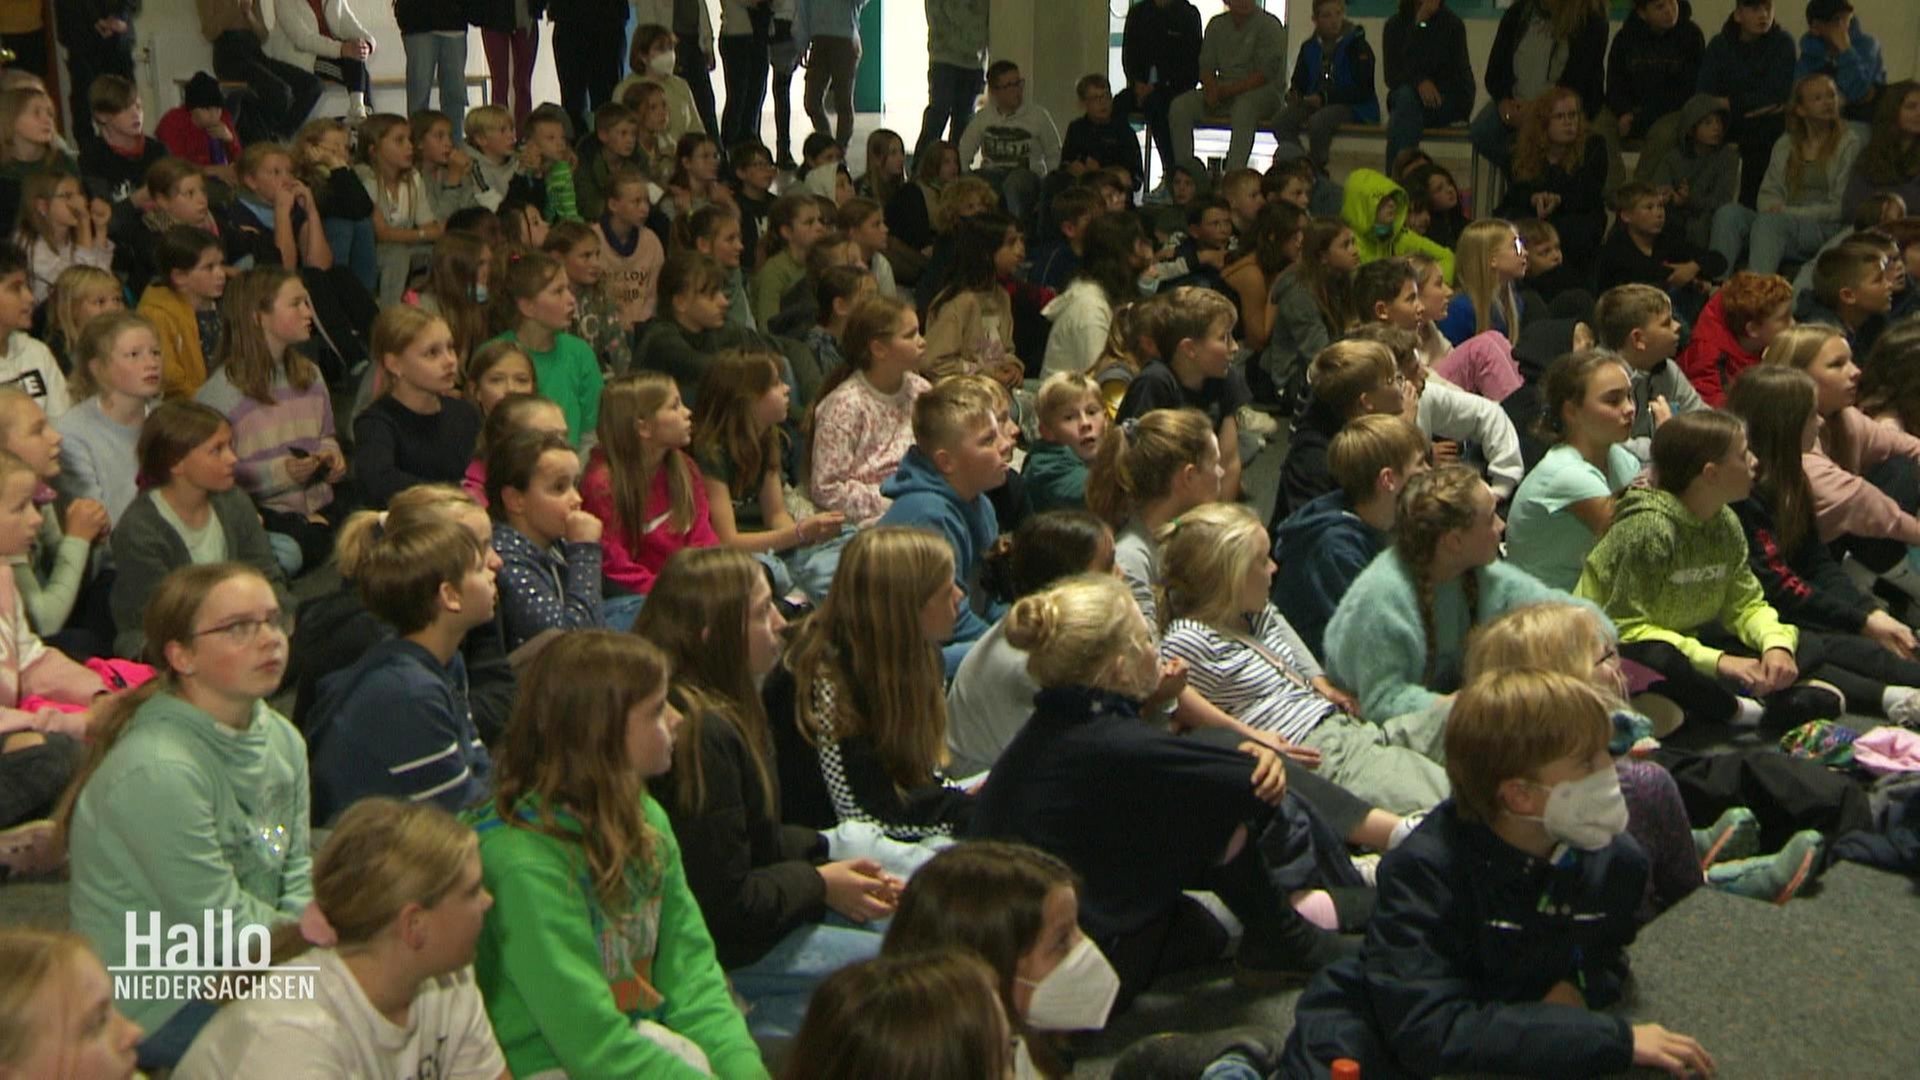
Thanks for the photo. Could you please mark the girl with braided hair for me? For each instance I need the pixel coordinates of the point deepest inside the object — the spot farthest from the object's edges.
(1398, 638)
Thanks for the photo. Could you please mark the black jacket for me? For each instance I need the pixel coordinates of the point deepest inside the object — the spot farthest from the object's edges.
(753, 877)
(1649, 74)
(1581, 217)
(1621, 261)
(1436, 49)
(1585, 72)
(1468, 934)
(1305, 475)
(1111, 144)
(1166, 38)
(1807, 588)
(428, 16)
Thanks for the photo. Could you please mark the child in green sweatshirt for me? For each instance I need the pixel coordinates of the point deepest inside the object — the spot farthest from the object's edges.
(1672, 573)
(595, 958)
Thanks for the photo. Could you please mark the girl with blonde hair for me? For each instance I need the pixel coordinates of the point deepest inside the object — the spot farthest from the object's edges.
(764, 887)
(1798, 207)
(417, 429)
(1243, 658)
(857, 707)
(1488, 261)
(644, 488)
(79, 293)
(1573, 640)
(398, 902)
(595, 959)
(57, 1016)
(1068, 784)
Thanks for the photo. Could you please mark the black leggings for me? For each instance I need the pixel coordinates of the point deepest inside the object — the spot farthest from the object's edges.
(1857, 666)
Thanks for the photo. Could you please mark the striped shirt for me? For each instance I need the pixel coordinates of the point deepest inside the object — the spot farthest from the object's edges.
(1242, 680)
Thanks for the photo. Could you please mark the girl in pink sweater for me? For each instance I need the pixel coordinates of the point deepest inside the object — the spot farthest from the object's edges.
(1865, 475)
(644, 488)
(863, 422)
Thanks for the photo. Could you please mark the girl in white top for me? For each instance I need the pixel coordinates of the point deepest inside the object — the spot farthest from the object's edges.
(60, 228)
(404, 227)
(1246, 661)
(398, 904)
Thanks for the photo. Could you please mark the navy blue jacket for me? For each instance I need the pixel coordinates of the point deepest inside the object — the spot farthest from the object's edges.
(1161, 40)
(1341, 73)
(1468, 934)
(1320, 548)
(1749, 74)
(396, 723)
(1651, 74)
(1435, 49)
(1111, 144)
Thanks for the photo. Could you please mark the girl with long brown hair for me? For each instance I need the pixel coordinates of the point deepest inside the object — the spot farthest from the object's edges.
(595, 959)
(281, 412)
(643, 487)
(764, 887)
(1560, 174)
(862, 422)
(1309, 306)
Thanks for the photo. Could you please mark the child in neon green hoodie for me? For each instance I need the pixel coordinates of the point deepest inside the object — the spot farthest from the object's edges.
(1673, 568)
(1363, 209)
(595, 958)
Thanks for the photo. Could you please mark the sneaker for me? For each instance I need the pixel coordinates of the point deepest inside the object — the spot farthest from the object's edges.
(1255, 422)
(1367, 866)
(1176, 1056)
(29, 848)
(1300, 950)
(1775, 877)
(1736, 835)
(1903, 706)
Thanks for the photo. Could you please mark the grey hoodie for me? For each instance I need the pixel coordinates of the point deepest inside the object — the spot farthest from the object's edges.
(1712, 176)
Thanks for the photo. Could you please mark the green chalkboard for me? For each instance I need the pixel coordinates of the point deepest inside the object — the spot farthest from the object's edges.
(866, 79)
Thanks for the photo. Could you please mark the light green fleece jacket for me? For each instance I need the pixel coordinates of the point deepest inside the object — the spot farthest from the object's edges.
(1661, 574)
(187, 816)
(1365, 189)
(566, 981)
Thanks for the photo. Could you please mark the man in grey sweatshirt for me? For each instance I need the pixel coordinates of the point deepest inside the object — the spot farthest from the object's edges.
(1243, 62)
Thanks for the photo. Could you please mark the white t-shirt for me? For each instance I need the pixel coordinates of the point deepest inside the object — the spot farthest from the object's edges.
(339, 1033)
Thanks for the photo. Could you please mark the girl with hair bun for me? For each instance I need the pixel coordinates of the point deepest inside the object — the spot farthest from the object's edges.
(1399, 636)
(1069, 785)
(398, 903)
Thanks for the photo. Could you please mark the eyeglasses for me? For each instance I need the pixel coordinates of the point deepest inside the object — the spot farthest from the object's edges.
(244, 632)
(1574, 115)
(1012, 84)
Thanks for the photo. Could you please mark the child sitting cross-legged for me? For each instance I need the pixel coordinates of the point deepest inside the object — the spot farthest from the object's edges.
(396, 723)
(1072, 419)
(1490, 949)
(1567, 502)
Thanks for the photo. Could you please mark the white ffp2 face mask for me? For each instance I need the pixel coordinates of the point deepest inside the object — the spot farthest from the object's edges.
(1077, 995)
(1586, 813)
(660, 63)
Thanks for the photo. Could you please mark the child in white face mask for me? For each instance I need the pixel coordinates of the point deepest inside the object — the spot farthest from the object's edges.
(1503, 921)
(1019, 909)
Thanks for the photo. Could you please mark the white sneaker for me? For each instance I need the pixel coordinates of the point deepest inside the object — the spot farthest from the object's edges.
(1903, 706)
(1254, 422)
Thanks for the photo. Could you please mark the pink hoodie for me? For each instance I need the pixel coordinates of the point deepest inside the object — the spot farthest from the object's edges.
(1482, 364)
(28, 668)
(1844, 502)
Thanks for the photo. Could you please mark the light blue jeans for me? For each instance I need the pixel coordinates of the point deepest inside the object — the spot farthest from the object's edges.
(286, 552)
(620, 611)
(1770, 239)
(352, 245)
(437, 59)
(777, 986)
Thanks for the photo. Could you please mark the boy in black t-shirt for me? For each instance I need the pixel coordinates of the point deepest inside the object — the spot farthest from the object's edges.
(1195, 371)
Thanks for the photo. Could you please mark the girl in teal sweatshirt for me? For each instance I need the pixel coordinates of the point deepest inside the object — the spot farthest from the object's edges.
(595, 959)
(1672, 572)
(195, 800)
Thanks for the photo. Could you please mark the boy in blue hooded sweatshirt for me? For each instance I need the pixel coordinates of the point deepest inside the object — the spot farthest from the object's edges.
(941, 485)
(1321, 547)
(1332, 83)
(396, 722)
(1375, 208)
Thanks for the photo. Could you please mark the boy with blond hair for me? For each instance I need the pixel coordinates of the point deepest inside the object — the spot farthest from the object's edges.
(1192, 337)
(1072, 419)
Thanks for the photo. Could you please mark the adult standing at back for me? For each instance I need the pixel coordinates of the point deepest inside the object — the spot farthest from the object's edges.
(692, 26)
(827, 33)
(285, 93)
(956, 60)
(1160, 54)
(1540, 44)
(433, 34)
(746, 28)
(1243, 69)
(1429, 72)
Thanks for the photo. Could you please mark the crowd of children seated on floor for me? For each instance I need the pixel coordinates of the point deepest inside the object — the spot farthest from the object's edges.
(775, 613)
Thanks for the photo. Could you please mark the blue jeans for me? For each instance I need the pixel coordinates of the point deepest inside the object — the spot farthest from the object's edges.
(1770, 239)
(1408, 118)
(951, 92)
(619, 611)
(352, 244)
(437, 59)
(1491, 136)
(163, 1048)
(286, 552)
(776, 987)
